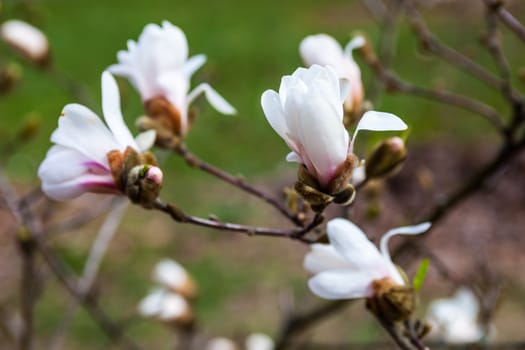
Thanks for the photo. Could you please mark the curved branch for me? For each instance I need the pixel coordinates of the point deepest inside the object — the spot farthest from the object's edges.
(297, 234)
(195, 162)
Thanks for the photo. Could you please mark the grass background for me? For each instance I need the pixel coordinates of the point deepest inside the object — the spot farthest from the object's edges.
(249, 45)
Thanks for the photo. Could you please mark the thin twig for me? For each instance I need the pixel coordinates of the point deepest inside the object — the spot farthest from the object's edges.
(296, 324)
(98, 251)
(507, 18)
(493, 43)
(25, 218)
(506, 154)
(295, 234)
(394, 84)
(195, 162)
(76, 221)
(386, 43)
(110, 328)
(447, 53)
(26, 249)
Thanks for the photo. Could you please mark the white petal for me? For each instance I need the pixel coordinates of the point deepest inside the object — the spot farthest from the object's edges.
(405, 230)
(81, 129)
(213, 97)
(356, 248)
(220, 343)
(294, 157)
(379, 121)
(66, 190)
(62, 164)
(170, 274)
(345, 87)
(467, 303)
(26, 38)
(173, 307)
(320, 49)
(151, 305)
(341, 284)
(356, 42)
(317, 126)
(193, 64)
(259, 341)
(324, 257)
(112, 112)
(273, 110)
(145, 140)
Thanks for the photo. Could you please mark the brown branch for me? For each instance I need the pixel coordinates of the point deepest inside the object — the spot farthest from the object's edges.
(111, 329)
(295, 234)
(296, 324)
(493, 44)
(28, 292)
(433, 45)
(32, 237)
(505, 155)
(195, 162)
(507, 18)
(394, 84)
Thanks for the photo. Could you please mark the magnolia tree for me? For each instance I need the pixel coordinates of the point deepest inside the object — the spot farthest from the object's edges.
(318, 110)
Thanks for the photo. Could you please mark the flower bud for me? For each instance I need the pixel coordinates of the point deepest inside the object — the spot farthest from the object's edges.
(339, 189)
(167, 307)
(164, 136)
(391, 301)
(174, 277)
(386, 158)
(221, 343)
(143, 184)
(30, 128)
(29, 41)
(259, 341)
(9, 76)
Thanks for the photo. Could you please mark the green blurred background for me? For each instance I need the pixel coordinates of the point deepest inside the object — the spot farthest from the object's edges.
(250, 45)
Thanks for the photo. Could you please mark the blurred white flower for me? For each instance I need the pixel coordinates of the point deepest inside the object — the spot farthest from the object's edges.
(347, 267)
(166, 306)
(221, 343)
(455, 319)
(173, 276)
(324, 50)
(78, 162)
(26, 39)
(158, 66)
(259, 341)
(308, 114)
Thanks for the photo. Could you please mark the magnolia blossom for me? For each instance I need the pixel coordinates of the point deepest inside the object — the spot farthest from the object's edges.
(307, 113)
(259, 341)
(173, 276)
(166, 306)
(26, 39)
(78, 162)
(347, 267)
(455, 319)
(158, 66)
(324, 50)
(221, 343)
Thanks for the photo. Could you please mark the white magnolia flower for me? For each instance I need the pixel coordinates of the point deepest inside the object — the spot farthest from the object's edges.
(164, 305)
(346, 268)
(259, 341)
(308, 114)
(158, 66)
(172, 275)
(78, 162)
(26, 39)
(324, 50)
(455, 319)
(221, 343)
